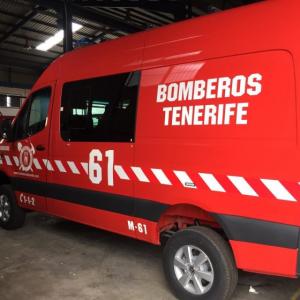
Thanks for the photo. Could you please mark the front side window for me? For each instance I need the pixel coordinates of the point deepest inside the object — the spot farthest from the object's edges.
(100, 109)
(32, 118)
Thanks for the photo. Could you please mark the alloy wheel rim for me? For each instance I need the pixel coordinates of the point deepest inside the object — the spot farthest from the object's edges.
(5, 209)
(193, 270)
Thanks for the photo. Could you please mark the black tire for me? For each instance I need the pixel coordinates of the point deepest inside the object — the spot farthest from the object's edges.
(225, 275)
(16, 217)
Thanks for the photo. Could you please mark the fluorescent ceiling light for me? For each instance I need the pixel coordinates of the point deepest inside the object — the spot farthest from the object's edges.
(56, 39)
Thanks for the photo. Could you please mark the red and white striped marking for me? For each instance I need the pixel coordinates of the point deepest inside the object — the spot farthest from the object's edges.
(60, 166)
(243, 186)
(85, 167)
(278, 190)
(37, 164)
(121, 173)
(140, 174)
(73, 167)
(212, 183)
(8, 160)
(16, 160)
(161, 176)
(180, 178)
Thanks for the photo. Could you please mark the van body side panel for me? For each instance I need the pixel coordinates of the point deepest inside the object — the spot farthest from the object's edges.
(23, 161)
(221, 134)
(78, 163)
(244, 164)
(260, 258)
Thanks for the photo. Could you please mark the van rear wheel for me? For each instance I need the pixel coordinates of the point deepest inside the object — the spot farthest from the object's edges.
(199, 265)
(11, 215)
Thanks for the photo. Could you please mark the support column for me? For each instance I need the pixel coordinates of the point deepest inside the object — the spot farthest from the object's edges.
(67, 26)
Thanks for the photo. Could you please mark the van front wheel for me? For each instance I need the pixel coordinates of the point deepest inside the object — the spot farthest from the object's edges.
(199, 265)
(11, 215)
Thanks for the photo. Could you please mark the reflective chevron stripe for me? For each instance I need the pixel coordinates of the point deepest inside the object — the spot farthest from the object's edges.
(60, 166)
(175, 178)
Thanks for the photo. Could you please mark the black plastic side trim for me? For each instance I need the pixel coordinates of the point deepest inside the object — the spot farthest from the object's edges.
(140, 208)
(298, 258)
(259, 232)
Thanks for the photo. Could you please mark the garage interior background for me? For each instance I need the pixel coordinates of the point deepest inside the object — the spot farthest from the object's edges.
(25, 25)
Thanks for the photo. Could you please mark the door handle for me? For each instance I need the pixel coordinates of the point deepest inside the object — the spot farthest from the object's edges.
(40, 148)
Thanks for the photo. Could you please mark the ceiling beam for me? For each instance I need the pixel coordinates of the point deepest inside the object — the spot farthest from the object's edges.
(97, 17)
(179, 9)
(111, 22)
(162, 5)
(47, 34)
(50, 14)
(31, 39)
(18, 25)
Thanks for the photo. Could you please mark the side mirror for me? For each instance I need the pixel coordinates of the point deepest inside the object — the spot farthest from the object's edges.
(6, 129)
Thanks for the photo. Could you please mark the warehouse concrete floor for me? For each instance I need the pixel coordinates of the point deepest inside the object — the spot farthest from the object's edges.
(55, 259)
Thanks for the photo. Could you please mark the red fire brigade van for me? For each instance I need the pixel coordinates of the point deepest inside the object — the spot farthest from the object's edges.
(186, 136)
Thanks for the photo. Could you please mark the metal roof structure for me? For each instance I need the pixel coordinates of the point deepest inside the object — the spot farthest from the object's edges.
(24, 24)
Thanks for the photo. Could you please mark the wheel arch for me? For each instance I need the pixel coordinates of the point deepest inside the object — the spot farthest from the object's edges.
(180, 216)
